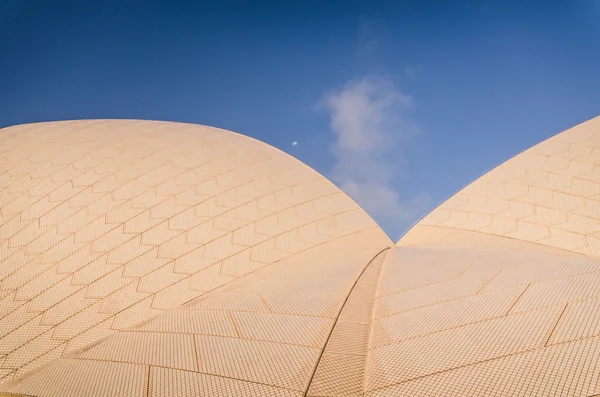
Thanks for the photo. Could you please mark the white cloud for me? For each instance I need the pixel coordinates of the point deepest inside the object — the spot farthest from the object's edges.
(369, 119)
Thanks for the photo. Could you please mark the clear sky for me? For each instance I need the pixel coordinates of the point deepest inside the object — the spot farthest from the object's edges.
(401, 103)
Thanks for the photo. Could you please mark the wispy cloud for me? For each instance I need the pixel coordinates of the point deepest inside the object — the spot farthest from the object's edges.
(370, 119)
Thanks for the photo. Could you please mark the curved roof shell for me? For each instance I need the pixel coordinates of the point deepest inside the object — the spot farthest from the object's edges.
(168, 259)
(156, 259)
(497, 291)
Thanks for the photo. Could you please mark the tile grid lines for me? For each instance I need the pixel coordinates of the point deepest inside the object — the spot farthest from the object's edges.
(149, 383)
(497, 317)
(54, 227)
(473, 364)
(316, 245)
(114, 316)
(137, 234)
(264, 301)
(519, 298)
(125, 182)
(113, 360)
(570, 321)
(134, 197)
(234, 230)
(372, 321)
(272, 238)
(186, 370)
(335, 322)
(134, 180)
(235, 325)
(481, 192)
(92, 147)
(441, 330)
(421, 286)
(168, 198)
(469, 268)
(43, 179)
(42, 148)
(522, 219)
(556, 324)
(508, 237)
(246, 380)
(487, 282)
(435, 303)
(559, 210)
(445, 281)
(462, 272)
(233, 319)
(463, 296)
(84, 170)
(237, 310)
(150, 171)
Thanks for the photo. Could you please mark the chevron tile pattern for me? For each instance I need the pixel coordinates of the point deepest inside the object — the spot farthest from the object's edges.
(151, 258)
(485, 320)
(155, 259)
(496, 292)
(549, 195)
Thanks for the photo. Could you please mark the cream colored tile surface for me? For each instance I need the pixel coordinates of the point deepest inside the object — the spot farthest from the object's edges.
(150, 259)
(494, 293)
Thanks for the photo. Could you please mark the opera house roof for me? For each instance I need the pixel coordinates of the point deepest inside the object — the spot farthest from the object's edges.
(157, 259)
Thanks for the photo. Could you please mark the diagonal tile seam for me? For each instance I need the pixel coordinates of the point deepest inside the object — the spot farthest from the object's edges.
(192, 187)
(141, 193)
(264, 301)
(82, 208)
(369, 340)
(332, 237)
(250, 248)
(149, 377)
(43, 148)
(477, 363)
(257, 311)
(537, 244)
(316, 366)
(273, 263)
(524, 217)
(518, 299)
(472, 323)
(475, 264)
(442, 301)
(235, 325)
(134, 180)
(166, 220)
(185, 303)
(488, 196)
(556, 324)
(83, 171)
(197, 372)
(498, 288)
(221, 336)
(178, 369)
(489, 281)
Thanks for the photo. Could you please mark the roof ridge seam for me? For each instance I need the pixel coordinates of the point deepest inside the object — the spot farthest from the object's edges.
(549, 247)
(314, 371)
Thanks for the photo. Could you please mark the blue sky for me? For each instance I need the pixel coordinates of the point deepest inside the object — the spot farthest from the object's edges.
(422, 96)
